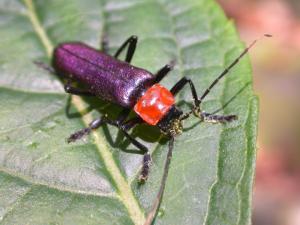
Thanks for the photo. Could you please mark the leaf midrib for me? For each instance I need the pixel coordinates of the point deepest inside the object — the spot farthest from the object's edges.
(126, 195)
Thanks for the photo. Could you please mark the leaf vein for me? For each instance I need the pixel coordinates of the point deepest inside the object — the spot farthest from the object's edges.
(126, 195)
(15, 204)
(62, 188)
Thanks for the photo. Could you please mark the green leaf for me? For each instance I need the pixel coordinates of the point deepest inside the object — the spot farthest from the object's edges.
(44, 180)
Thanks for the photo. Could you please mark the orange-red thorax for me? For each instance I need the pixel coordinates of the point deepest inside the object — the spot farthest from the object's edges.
(154, 104)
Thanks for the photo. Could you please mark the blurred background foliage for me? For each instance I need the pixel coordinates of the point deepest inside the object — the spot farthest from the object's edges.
(276, 70)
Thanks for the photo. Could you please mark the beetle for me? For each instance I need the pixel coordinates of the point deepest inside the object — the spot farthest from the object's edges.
(132, 88)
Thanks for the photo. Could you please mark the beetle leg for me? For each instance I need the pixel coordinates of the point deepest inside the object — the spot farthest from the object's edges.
(212, 118)
(180, 84)
(207, 117)
(157, 201)
(122, 116)
(104, 43)
(147, 161)
(124, 127)
(132, 123)
(95, 124)
(44, 66)
(131, 41)
(76, 91)
(163, 72)
(85, 131)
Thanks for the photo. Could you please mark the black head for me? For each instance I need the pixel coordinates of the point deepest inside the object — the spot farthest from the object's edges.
(171, 124)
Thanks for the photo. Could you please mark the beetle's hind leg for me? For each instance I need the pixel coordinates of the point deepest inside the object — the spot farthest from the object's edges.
(95, 124)
(85, 131)
(44, 66)
(75, 90)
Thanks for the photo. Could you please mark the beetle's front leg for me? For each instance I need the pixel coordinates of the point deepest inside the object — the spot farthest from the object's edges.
(207, 117)
(179, 86)
(95, 124)
(212, 118)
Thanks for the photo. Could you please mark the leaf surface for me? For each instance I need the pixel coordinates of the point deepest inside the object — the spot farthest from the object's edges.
(44, 180)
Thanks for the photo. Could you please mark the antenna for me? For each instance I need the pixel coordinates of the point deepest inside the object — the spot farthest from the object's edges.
(154, 209)
(229, 68)
(156, 204)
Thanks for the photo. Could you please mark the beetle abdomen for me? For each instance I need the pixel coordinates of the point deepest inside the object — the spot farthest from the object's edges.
(107, 77)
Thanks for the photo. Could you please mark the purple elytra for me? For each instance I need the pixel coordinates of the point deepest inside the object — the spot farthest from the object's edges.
(110, 79)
